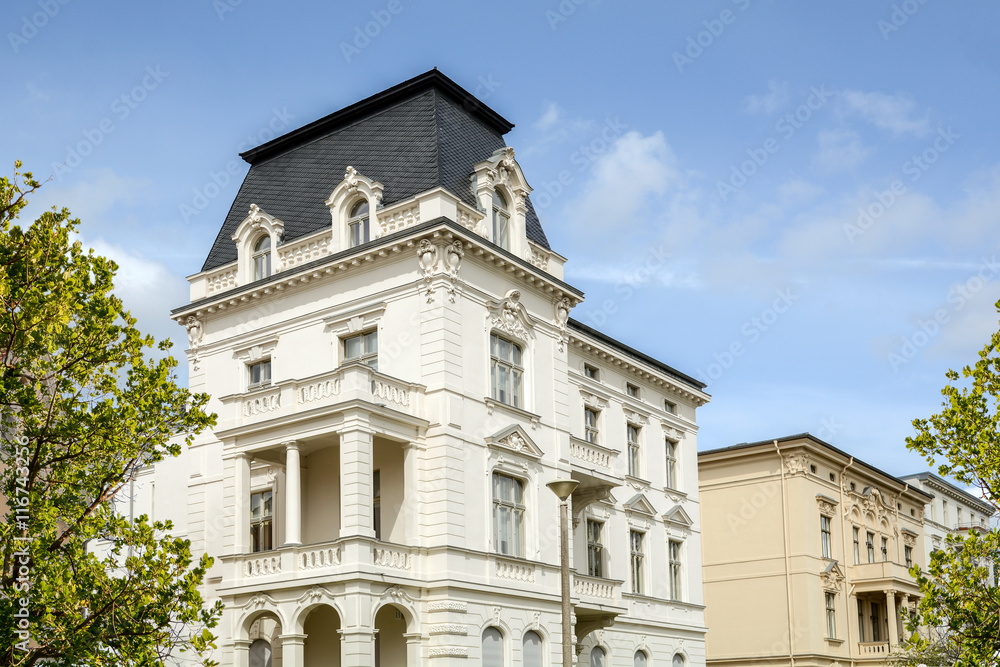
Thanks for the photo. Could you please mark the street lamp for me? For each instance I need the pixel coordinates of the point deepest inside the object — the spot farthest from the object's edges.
(563, 488)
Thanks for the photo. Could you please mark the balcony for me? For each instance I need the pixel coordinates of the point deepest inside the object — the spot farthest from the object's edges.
(880, 572)
(596, 592)
(873, 649)
(354, 381)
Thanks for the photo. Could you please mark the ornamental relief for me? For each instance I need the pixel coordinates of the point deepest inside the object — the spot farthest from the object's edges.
(796, 464)
(826, 508)
(510, 316)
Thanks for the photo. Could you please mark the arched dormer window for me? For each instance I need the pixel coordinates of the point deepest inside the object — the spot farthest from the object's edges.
(262, 258)
(358, 227)
(501, 221)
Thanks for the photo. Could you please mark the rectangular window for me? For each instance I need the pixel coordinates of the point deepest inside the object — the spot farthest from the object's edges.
(358, 232)
(831, 616)
(861, 620)
(633, 450)
(595, 549)
(591, 372)
(363, 347)
(876, 628)
(501, 228)
(674, 562)
(857, 546)
(377, 503)
(260, 374)
(508, 515)
(635, 542)
(261, 514)
(885, 549)
(908, 555)
(827, 536)
(671, 464)
(670, 407)
(632, 390)
(591, 431)
(506, 371)
(870, 544)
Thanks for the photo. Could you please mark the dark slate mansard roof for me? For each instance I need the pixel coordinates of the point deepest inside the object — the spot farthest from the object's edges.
(418, 135)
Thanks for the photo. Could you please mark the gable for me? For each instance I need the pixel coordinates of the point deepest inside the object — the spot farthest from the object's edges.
(678, 516)
(516, 440)
(640, 505)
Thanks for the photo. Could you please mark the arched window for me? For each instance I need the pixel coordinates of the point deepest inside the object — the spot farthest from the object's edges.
(357, 224)
(679, 660)
(598, 658)
(262, 258)
(260, 653)
(532, 655)
(492, 648)
(640, 659)
(501, 221)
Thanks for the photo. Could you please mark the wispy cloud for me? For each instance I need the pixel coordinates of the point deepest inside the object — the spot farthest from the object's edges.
(896, 113)
(839, 150)
(550, 117)
(775, 98)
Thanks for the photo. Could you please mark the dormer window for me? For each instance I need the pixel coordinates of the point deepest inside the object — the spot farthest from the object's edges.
(262, 258)
(501, 221)
(357, 224)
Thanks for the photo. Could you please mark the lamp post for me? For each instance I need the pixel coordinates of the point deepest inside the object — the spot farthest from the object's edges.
(563, 488)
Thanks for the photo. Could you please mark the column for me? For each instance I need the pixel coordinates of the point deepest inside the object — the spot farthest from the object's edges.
(241, 500)
(904, 615)
(293, 495)
(890, 614)
(356, 482)
(357, 647)
(411, 503)
(241, 653)
(412, 648)
(293, 650)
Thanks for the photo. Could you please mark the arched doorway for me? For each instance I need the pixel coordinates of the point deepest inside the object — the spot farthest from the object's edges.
(264, 635)
(390, 643)
(322, 630)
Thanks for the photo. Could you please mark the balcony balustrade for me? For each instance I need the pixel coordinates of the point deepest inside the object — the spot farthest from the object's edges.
(873, 649)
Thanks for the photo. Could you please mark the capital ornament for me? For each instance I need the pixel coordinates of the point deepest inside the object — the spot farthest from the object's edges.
(453, 261)
(427, 256)
(195, 332)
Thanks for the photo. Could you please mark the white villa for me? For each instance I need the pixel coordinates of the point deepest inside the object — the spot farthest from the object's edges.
(386, 337)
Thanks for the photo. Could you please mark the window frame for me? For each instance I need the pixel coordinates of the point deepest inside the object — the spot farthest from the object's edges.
(908, 555)
(591, 372)
(675, 566)
(361, 221)
(826, 536)
(830, 603)
(670, 452)
(885, 549)
(260, 258)
(637, 559)
(500, 214)
(592, 428)
(634, 449)
(633, 391)
(513, 367)
(870, 546)
(262, 365)
(364, 356)
(595, 549)
(857, 544)
(510, 511)
(256, 542)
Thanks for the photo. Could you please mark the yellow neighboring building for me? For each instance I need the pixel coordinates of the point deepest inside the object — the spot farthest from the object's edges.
(805, 551)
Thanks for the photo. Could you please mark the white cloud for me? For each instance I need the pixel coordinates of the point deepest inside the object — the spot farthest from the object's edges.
(839, 150)
(91, 197)
(774, 99)
(895, 113)
(553, 114)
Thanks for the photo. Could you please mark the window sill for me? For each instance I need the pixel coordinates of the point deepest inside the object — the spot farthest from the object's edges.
(834, 640)
(492, 404)
(674, 492)
(638, 482)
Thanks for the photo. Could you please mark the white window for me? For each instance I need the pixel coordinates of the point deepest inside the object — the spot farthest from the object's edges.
(598, 658)
(358, 231)
(671, 464)
(260, 653)
(506, 370)
(826, 533)
(640, 659)
(532, 655)
(590, 419)
(632, 390)
(676, 570)
(508, 515)
(885, 549)
(260, 374)
(857, 545)
(632, 433)
(908, 556)
(262, 258)
(363, 347)
(492, 648)
(591, 372)
(595, 548)
(831, 616)
(870, 544)
(670, 407)
(261, 515)
(501, 221)
(635, 544)
(678, 660)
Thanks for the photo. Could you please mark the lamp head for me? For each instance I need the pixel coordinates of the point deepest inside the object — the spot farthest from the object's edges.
(563, 488)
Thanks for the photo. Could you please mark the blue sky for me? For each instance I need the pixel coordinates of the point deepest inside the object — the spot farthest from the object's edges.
(796, 203)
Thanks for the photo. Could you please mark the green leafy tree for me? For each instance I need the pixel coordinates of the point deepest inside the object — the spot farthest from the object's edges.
(960, 607)
(84, 405)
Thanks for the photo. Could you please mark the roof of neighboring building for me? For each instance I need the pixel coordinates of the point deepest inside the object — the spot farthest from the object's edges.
(821, 443)
(943, 484)
(637, 355)
(424, 133)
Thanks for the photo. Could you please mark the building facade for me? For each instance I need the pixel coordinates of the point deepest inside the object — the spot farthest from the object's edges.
(952, 511)
(386, 337)
(818, 545)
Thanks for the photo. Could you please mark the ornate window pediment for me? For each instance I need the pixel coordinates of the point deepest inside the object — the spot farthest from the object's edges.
(248, 235)
(355, 188)
(827, 505)
(679, 517)
(501, 174)
(639, 505)
(514, 439)
(510, 317)
(833, 577)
